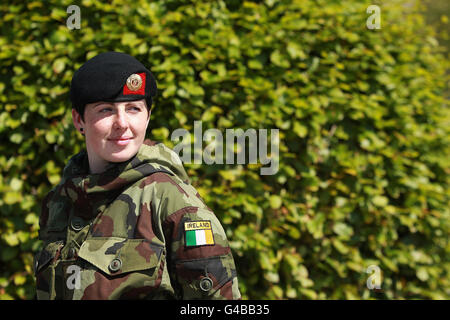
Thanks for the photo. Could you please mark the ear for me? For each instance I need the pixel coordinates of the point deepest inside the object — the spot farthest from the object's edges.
(77, 121)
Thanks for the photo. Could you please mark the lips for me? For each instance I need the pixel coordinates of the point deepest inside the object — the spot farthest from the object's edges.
(121, 138)
(121, 141)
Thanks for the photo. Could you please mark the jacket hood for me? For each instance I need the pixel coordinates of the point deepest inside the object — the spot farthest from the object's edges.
(89, 193)
(152, 156)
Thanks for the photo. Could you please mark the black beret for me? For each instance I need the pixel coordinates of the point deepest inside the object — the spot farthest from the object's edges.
(111, 77)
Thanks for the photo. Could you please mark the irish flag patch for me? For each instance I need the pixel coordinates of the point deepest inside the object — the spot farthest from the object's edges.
(198, 233)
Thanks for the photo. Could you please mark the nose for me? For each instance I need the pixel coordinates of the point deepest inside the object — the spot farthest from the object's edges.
(120, 121)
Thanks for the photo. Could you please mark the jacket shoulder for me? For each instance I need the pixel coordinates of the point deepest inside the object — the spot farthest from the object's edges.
(169, 193)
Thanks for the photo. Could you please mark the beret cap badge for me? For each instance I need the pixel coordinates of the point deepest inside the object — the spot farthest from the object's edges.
(134, 82)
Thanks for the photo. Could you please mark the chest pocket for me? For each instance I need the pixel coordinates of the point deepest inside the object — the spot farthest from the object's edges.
(118, 268)
(105, 268)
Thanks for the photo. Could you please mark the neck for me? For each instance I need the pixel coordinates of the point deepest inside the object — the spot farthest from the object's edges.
(97, 165)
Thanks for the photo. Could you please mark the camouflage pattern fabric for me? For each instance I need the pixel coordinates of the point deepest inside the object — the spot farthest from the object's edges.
(137, 231)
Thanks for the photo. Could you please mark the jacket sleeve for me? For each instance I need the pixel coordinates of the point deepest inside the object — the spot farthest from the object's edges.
(199, 258)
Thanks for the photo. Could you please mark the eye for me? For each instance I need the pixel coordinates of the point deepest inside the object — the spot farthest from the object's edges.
(135, 108)
(104, 110)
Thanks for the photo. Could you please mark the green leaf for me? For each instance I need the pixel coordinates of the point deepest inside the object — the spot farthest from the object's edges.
(295, 51)
(51, 137)
(255, 64)
(59, 65)
(275, 201)
(16, 184)
(422, 274)
(130, 39)
(193, 89)
(16, 137)
(341, 247)
(343, 229)
(12, 197)
(294, 232)
(315, 226)
(160, 133)
(11, 239)
(228, 175)
(272, 277)
(380, 201)
(279, 60)
(181, 117)
(32, 219)
(19, 280)
(300, 129)
(264, 261)
(308, 293)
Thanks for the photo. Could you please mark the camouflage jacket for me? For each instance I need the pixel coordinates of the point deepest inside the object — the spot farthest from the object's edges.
(139, 230)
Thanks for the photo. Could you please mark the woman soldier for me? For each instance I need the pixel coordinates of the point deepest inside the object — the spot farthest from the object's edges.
(124, 222)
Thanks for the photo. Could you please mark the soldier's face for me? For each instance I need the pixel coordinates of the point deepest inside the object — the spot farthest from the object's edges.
(114, 131)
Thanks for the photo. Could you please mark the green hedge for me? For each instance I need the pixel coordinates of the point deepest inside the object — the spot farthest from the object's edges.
(364, 169)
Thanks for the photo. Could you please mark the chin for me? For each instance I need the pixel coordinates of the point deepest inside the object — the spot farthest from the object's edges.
(123, 155)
